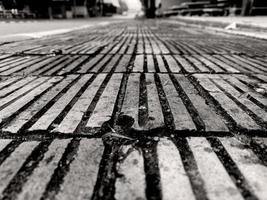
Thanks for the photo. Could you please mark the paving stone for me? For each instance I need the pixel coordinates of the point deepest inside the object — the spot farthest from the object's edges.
(131, 184)
(173, 66)
(197, 64)
(155, 115)
(175, 183)
(105, 106)
(161, 64)
(123, 64)
(150, 64)
(210, 118)
(230, 106)
(46, 119)
(74, 117)
(61, 97)
(86, 67)
(13, 163)
(25, 116)
(139, 63)
(224, 64)
(8, 81)
(249, 165)
(80, 180)
(217, 182)
(111, 64)
(36, 184)
(182, 119)
(10, 60)
(100, 64)
(42, 100)
(130, 105)
(25, 99)
(4, 143)
(15, 86)
(19, 67)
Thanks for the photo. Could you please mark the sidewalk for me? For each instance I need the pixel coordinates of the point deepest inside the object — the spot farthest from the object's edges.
(141, 109)
(248, 26)
(27, 29)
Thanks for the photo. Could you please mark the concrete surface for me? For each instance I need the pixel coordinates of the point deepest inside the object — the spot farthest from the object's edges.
(15, 30)
(134, 110)
(255, 21)
(248, 26)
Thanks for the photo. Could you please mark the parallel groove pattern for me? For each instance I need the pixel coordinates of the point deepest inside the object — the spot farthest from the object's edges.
(204, 151)
(205, 92)
(246, 106)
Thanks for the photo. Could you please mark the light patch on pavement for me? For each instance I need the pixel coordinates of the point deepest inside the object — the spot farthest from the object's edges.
(48, 33)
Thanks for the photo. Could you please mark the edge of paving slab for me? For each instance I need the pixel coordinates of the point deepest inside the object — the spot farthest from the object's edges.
(35, 35)
(242, 29)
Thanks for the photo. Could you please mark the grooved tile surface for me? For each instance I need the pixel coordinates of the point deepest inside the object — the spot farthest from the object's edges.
(134, 110)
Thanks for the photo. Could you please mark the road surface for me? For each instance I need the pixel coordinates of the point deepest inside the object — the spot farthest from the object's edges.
(134, 110)
(15, 30)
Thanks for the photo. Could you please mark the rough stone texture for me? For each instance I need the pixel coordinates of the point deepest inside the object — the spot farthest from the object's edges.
(193, 104)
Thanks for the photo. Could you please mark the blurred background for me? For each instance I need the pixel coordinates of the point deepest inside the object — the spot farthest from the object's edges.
(69, 9)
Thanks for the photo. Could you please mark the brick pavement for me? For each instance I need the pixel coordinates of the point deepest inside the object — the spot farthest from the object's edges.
(134, 110)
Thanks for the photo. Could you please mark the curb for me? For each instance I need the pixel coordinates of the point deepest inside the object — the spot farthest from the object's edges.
(241, 29)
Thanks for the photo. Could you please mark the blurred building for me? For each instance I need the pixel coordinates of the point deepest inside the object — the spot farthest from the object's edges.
(212, 7)
(63, 8)
(110, 7)
(166, 4)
